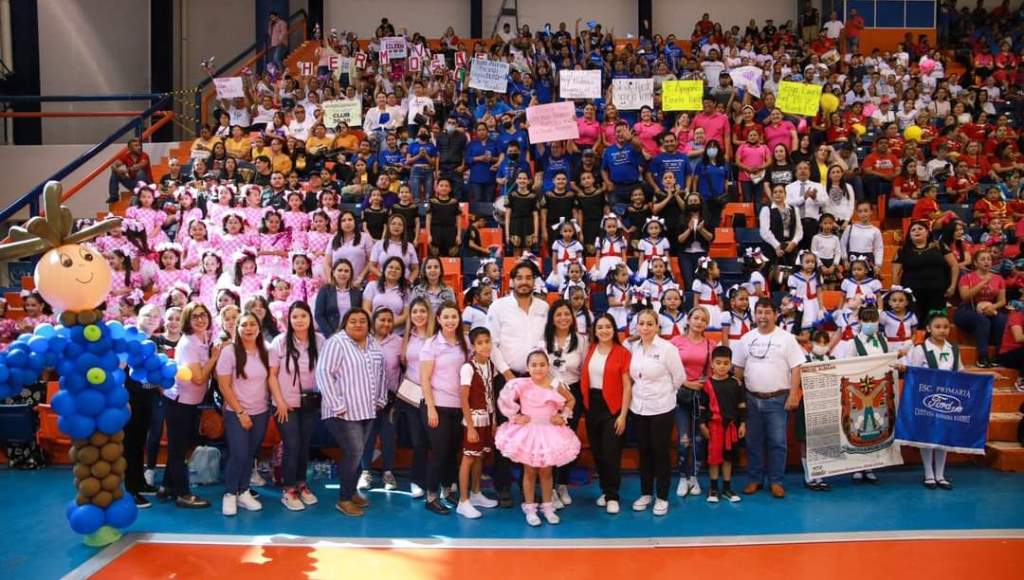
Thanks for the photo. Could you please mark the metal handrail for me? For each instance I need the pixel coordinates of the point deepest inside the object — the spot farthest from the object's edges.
(81, 98)
(31, 198)
(257, 46)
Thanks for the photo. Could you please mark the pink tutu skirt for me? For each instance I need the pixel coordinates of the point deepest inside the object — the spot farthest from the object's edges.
(538, 443)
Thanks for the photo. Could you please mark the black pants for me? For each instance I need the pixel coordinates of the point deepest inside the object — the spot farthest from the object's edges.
(409, 417)
(142, 402)
(563, 472)
(810, 226)
(926, 300)
(654, 439)
(502, 465)
(605, 445)
(182, 428)
(445, 447)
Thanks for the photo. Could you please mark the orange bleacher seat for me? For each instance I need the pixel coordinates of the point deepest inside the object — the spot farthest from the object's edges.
(28, 283)
(724, 236)
(492, 237)
(881, 208)
(732, 209)
(464, 216)
(715, 336)
(13, 299)
(831, 299)
(453, 273)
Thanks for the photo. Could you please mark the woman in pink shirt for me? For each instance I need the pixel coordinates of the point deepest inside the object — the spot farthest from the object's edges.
(647, 130)
(779, 131)
(292, 383)
(419, 328)
(243, 369)
(752, 157)
(383, 322)
(441, 359)
(590, 129)
(182, 405)
(611, 121)
(682, 129)
(983, 296)
(695, 352)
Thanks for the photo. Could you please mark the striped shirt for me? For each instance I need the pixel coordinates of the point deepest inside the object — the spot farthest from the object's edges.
(352, 380)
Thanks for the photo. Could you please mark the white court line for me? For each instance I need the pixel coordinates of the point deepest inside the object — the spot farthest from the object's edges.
(111, 553)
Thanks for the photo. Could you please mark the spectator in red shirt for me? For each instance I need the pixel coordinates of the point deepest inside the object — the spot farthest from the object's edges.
(960, 185)
(1011, 349)
(715, 125)
(880, 168)
(854, 26)
(982, 295)
(129, 169)
(990, 207)
(926, 208)
(978, 163)
(905, 190)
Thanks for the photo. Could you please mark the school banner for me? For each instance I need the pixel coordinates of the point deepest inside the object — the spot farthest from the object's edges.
(488, 75)
(798, 98)
(632, 94)
(349, 111)
(229, 87)
(945, 410)
(394, 46)
(682, 95)
(552, 122)
(579, 84)
(748, 78)
(850, 415)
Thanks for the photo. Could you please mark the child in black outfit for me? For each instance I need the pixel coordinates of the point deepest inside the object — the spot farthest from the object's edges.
(723, 423)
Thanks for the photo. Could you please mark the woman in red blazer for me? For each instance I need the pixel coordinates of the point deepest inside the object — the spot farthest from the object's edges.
(606, 371)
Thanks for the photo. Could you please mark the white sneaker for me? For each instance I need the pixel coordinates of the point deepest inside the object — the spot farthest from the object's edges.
(563, 494)
(415, 491)
(641, 503)
(530, 509)
(390, 483)
(694, 486)
(683, 489)
(556, 501)
(601, 502)
(549, 514)
(291, 500)
(481, 500)
(229, 505)
(307, 496)
(248, 502)
(660, 507)
(613, 507)
(365, 480)
(467, 510)
(149, 475)
(256, 480)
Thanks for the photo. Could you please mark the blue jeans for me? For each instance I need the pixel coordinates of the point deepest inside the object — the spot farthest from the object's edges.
(987, 330)
(351, 438)
(900, 208)
(421, 178)
(691, 444)
(480, 192)
(766, 436)
(276, 56)
(383, 425)
(242, 449)
(296, 433)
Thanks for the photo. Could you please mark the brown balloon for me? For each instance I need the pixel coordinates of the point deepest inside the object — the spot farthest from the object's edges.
(88, 455)
(101, 469)
(82, 471)
(119, 466)
(73, 455)
(117, 437)
(81, 500)
(110, 482)
(111, 451)
(118, 493)
(102, 499)
(99, 439)
(89, 487)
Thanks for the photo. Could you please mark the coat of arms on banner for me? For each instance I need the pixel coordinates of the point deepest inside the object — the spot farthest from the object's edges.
(868, 412)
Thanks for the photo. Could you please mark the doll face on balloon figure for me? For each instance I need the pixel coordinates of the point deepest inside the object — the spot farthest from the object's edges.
(73, 278)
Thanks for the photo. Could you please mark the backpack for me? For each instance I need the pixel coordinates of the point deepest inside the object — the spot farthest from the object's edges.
(204, 466)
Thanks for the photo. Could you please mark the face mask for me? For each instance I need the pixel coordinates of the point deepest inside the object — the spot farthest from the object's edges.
(820, 349)
(449, 128)
(513, 156)
(693, 206)
(507, 124)
(423, 136)
(869, 328)
(712, 153)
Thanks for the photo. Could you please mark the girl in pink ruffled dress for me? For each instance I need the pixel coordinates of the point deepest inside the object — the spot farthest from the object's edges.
(151, 218)
(537, 434)
(295, 218)
(273, 243)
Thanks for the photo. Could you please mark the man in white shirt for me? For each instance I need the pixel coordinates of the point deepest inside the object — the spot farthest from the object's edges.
(808, 197)
(768, 361)
(516, 322)
(300, 125)
(419, 104)
(884, 114)
(833, 27)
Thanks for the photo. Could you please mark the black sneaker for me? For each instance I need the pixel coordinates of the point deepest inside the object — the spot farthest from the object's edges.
(141, 502)
(712, 495)
(730, 496)
(438, 507)
(504, 499)
(147, 489)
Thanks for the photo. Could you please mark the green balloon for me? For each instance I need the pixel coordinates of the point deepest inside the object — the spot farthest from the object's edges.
(96, 375)
(92, 333)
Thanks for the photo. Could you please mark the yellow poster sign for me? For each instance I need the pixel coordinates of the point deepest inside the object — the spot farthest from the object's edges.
(798, 98)
(682, 95)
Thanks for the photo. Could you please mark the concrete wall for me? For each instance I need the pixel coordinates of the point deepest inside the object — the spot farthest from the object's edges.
(430, 18)
(672, 16)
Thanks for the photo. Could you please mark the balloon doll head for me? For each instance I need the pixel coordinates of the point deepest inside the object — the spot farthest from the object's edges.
(70, 276)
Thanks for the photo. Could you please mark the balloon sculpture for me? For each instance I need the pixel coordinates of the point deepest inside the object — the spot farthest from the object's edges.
(88, 354)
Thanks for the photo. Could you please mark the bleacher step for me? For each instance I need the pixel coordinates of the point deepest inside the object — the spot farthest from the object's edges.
(1005, 455)
(1003, 426)
(1006, 400)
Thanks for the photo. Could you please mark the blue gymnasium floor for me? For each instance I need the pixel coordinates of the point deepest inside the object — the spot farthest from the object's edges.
(36, 542)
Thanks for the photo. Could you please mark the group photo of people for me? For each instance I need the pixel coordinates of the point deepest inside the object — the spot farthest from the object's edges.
(516, 313)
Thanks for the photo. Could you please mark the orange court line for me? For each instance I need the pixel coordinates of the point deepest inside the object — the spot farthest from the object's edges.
(906, 559)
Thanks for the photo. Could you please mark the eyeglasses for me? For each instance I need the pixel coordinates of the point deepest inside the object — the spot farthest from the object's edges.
(758, 349)
(196, 315)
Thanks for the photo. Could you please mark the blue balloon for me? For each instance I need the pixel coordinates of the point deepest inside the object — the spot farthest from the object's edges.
(99, 347)
(76, 334)
(63, 331)
(75, 382)
(117, 398)
(76, 426)
(122, 513)
(109, 362)
(23, 338)
(50, 359)
(86, 519)
(38, 344)
(90, 402)
(17, 357)
(116, 329)
(4, 374)
(117, 376)
(148, 348)
(58, 344)
(111, 421)
(133, 334)
(63, 403)
(170, 369)
(36, 361)
(45, 330)
(72, 505)
(123, 357)
(153, 364)
(87, 361)
(133, 347)
(73, 350)
(139, 376)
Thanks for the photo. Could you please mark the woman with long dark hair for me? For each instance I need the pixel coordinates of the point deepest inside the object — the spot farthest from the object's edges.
(292, 381)
(927, 267)
(390, 291)
(350, 244)
(419, 328)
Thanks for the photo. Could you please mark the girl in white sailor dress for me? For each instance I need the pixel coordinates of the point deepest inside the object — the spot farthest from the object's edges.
(709, 290)
(611, 247)
(478, 298)
(575, 277)
(564, 251)
(619, 295)
(806, 285)
(898, 318)
(860, 282)
(653, 245)
(736, 321)
(671, 320)
(657, 282)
